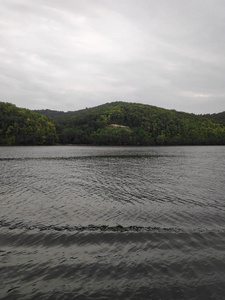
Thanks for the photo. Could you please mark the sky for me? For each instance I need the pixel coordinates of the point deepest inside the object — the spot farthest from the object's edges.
(71, 54)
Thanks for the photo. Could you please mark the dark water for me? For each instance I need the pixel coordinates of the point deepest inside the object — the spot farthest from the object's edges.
(112, 223)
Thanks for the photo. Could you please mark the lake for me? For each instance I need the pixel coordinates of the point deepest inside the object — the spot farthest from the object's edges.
(79, 222)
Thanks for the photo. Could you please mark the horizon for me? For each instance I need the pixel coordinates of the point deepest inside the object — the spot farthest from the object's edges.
(198, 114)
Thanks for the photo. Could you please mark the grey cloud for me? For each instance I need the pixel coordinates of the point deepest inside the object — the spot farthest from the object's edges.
(75, 54)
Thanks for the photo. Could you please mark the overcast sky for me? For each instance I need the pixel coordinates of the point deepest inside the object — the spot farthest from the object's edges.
(73, 54)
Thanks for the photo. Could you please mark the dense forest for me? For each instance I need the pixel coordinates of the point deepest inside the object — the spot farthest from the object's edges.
(117, 123)
(136, 124)
(219, 118)
(24, 127)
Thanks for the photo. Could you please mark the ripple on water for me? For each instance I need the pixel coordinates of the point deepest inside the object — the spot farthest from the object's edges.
(112, 223)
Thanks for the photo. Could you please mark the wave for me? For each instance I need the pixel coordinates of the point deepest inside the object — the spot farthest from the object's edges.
(84, 157)
(91, 227)
(103, 228)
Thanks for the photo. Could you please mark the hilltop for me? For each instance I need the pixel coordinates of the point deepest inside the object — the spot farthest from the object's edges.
(136, 124)
(116, 123)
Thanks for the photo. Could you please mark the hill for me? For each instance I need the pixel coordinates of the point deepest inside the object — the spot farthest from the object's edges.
(219, 117)
(136, 124)
(23, 127)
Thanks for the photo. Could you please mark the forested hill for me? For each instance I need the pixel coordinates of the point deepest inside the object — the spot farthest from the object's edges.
(23, 127)
(219, 117)
(117, 123)
(122, 123)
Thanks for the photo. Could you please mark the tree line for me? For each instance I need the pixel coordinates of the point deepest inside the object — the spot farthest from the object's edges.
(136, 124)
(148, 125)
(24, 127)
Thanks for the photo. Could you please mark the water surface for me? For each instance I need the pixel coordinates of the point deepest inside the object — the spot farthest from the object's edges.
(112, 222)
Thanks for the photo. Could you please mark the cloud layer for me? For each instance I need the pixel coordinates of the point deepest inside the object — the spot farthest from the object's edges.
(68, 55)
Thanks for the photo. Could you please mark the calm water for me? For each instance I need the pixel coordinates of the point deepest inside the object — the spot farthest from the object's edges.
(112, 222)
